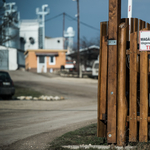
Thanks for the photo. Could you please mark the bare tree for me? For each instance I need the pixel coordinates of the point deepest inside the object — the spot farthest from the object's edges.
(86, 43)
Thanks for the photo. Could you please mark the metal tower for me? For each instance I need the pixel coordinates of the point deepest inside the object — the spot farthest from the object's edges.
(41, 17)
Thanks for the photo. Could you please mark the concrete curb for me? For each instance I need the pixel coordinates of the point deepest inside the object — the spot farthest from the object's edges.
(102, 147)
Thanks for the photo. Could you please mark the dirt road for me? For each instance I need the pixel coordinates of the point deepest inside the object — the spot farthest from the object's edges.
(33, 124)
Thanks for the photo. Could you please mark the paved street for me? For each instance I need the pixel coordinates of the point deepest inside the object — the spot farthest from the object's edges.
(33, 124)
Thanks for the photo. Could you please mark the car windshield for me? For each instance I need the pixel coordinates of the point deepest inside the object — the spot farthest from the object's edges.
(96, 66)
(69, 62)
(4, 75)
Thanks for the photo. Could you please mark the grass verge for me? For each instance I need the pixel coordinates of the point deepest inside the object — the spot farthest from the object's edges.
(22, 91)
(86, 135)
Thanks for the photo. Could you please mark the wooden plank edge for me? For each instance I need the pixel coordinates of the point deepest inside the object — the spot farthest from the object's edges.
(138, 118)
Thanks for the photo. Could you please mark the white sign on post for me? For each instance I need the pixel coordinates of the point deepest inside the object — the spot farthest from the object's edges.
(129, 14)
(144, 41)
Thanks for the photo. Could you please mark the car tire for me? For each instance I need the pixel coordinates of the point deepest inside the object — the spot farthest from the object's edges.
(7, 97)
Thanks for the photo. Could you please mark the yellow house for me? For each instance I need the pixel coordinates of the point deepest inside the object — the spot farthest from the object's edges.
(44, 60)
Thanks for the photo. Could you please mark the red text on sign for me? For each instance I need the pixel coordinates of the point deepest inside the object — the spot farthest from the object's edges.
(148, 47)
(129, 8)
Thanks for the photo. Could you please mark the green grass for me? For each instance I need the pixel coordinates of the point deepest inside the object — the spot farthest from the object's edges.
(22, 91)
(86, 136)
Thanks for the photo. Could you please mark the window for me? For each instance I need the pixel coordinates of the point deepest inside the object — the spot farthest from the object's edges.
(41, 59)
(96, 66)
(52, 60)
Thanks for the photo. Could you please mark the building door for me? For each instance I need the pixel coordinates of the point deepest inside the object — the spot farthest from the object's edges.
(41, 66)
(4, 60)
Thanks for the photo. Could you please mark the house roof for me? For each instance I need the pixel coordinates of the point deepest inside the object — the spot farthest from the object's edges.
(90, 53)
(45, 51)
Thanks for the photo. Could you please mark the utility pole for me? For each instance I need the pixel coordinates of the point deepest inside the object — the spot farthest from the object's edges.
(42, 20)
(63, 30)
(78, 24)
(114, 21)
(78, 38)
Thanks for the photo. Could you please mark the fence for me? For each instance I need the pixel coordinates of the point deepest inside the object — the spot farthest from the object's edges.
(127, 116)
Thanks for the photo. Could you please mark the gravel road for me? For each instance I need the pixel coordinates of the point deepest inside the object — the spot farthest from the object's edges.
(26, 125)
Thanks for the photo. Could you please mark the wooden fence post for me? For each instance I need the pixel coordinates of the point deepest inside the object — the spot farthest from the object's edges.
(122, 102)
(143, 130)
(133, 88)
(114, 21)
(101, 97)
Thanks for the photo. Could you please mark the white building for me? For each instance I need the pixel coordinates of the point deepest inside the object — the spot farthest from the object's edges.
(31, 37)
(11, 58)
(54, 43)
(29, 34)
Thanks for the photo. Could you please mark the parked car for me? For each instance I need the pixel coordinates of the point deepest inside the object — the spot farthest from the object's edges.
(7, 89)
(95, 68)
(70, 65)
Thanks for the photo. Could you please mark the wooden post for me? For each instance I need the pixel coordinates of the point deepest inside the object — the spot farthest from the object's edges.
(133, 88)
(127, 33)
(122, 102)
(103, 78)
(135, 25)
(101, 127)
(132, 26)
(114, 21)
(143, 133)
(143, 24)
(143, 130)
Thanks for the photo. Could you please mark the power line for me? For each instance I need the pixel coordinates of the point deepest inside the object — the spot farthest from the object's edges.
(53, 17)
(74, 20)
(46, 19)
(83, 23)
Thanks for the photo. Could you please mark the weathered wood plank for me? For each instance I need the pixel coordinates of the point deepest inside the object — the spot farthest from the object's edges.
(136, 30)
(143, 24)
(132, 25)
(133, 88)
(127, 33)
(138, 118)
(135, 25)
(128, 52)
(140, 24)
(143, 129)
(147, 26)
(114, 20)
(140, 27)
(103, 79)
(122, 102)
(101, 127)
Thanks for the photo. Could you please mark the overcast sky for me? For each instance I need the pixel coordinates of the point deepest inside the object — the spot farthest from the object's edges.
(92, 12)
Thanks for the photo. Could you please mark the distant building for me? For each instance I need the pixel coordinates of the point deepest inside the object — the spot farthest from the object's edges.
(11, 58)
(42, 60)
(87, 57)
(29, 34)
(69, 35)
(9, 32)
(54, 43)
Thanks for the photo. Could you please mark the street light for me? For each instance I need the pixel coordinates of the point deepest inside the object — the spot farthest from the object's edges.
(78, 38)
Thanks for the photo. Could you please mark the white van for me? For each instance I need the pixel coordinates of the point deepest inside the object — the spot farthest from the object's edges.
(95, 69)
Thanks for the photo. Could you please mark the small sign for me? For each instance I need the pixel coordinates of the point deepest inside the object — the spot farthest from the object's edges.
(144, 40)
